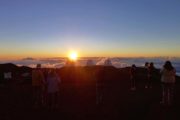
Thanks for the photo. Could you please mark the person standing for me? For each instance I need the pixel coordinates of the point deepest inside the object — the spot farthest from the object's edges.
(38, 83)
(168, 80)
(133, 77)
(146, 67)
(151, 75)
(53, 83)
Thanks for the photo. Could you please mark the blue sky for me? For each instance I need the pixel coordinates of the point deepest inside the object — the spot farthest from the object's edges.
(46, 28)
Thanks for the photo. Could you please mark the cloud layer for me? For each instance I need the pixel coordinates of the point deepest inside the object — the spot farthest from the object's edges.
(116, 62)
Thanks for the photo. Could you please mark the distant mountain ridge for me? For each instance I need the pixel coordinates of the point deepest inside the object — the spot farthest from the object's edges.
(10, 67)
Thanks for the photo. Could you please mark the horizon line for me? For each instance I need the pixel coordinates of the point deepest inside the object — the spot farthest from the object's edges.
(26, 58)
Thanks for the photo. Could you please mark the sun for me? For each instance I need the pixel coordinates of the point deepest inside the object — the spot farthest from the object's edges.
(73, 56)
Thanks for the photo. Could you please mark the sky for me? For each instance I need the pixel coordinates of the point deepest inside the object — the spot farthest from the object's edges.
(93, 28)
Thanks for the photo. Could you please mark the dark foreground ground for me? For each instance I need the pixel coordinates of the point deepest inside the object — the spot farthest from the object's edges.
(77, 100)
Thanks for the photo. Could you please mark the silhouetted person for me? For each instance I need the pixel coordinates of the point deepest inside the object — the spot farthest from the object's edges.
(146, 66)
(100, 85)
(133, 77)
(38, 85)
(99, 93)
(151, 75)
(53, 83)
(168, 74)
(45, 94)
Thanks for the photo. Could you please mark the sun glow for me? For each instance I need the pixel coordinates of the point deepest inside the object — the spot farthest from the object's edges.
(73, 56)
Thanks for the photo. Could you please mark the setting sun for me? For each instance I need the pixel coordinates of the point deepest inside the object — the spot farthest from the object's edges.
(73, 56)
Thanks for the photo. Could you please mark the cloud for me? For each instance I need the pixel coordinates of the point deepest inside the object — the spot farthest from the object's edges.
(116, 62)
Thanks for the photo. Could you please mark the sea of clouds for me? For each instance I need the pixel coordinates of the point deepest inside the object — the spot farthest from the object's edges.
(117, 62)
